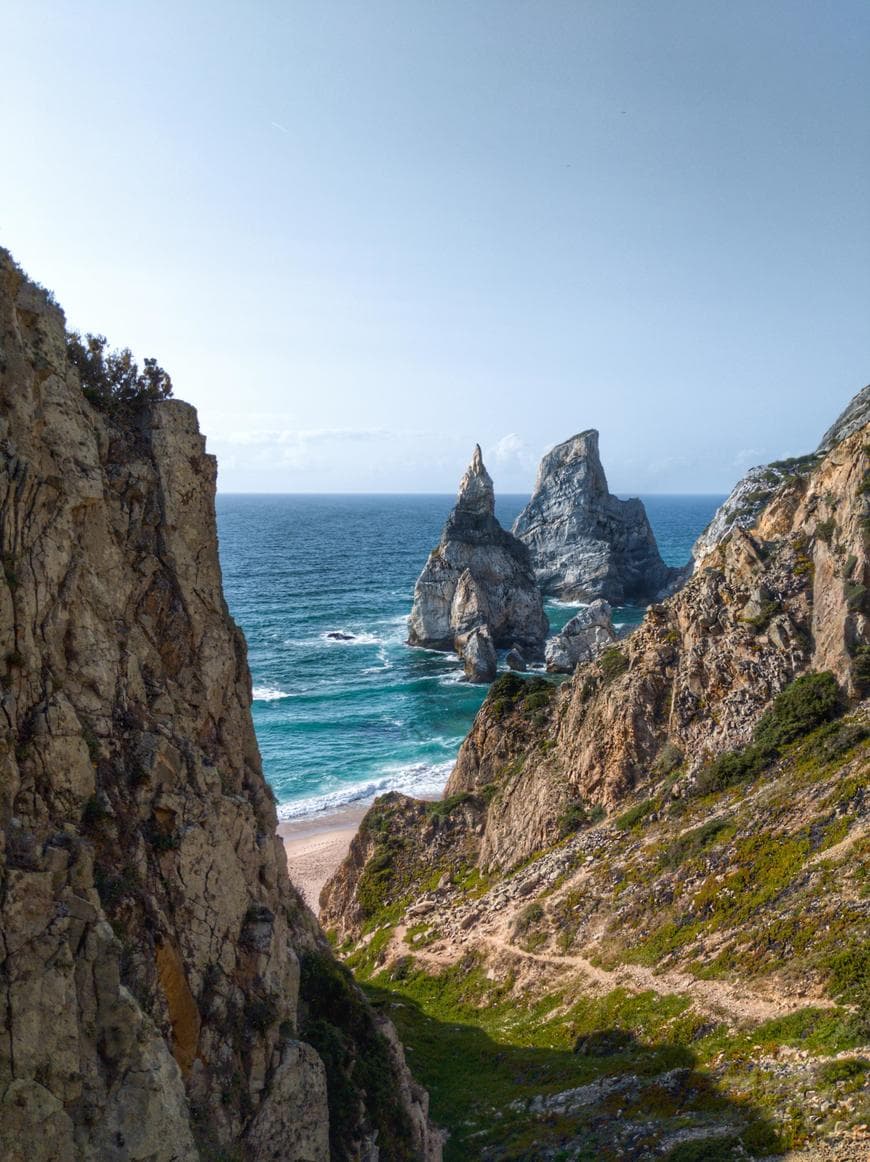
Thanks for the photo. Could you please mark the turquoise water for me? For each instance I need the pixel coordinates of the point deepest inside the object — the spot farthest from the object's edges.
(339, 721)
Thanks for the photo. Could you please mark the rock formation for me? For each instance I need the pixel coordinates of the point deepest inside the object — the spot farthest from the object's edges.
(581, 639)
(750, 496)
(764, 606)
(584, 542)
(683, 818)
(478, 578)
(166, 994)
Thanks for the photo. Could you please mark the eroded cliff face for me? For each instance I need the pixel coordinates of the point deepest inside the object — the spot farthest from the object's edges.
(584, 542)
(765, 605)
(152, 945)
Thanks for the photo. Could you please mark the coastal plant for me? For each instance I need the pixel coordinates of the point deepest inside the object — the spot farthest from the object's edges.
(111, 380)
(612, 663)
(802, 706)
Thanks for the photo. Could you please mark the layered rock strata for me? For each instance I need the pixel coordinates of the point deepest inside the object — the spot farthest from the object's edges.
(165, 993)
(584, 542)
(478, 584)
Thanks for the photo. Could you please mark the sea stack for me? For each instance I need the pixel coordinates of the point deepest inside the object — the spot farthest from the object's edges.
(584, 542)
(478, 590)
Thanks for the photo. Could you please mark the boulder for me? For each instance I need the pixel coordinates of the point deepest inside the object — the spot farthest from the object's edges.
(582, 639)
(515, 660)
(478, 656)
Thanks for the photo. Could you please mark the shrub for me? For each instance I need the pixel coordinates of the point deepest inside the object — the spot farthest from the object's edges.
(825, 530)
(668, 760)
(693, 842)
(807, 703)
(801, 707)
(111, 380)
(634, 814)
(846, 1069)
(612, 662)
(532, 914)
(861, 669)
(260, 1013)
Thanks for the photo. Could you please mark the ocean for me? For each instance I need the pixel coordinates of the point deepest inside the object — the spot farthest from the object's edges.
(340, 720)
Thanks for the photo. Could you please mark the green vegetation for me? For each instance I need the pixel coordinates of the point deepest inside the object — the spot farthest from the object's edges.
(578, 815)
(861, 669)
(335, 1021)
(111, 380)
(825, 530)
(635, 814)
(510, 694)
(693, 843)
(805, 704)
(612, 663)
(767, 611)
(485, 1053)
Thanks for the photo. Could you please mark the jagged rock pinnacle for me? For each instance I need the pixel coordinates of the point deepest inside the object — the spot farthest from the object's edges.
(584, 542)
(476, 493)
(479, 577)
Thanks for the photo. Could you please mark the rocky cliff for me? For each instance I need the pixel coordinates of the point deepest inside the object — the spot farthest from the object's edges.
(477, 591)
(584, 542)
(657, 861)
(166, 995)
(751, 495)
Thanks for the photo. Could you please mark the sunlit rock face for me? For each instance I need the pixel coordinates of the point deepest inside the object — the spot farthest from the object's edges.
(584, 542)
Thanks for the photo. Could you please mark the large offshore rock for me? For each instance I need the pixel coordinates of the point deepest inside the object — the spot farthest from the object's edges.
(478, 575)
(584, 542)
(582, 638)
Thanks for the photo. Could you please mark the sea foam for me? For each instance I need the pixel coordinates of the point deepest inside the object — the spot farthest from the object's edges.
(419, 779)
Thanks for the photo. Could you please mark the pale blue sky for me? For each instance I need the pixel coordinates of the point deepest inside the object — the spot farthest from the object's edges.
(363, 236)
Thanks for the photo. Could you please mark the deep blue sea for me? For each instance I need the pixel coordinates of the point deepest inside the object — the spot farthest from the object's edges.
(341, 721)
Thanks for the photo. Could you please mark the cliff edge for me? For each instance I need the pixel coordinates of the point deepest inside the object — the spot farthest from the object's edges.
(166, 994)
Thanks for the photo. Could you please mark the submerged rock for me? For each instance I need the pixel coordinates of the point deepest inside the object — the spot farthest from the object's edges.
(477, 576)
(584, 542)
(582, 638)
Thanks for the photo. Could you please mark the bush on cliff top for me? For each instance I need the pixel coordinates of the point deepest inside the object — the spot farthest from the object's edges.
(111, 380)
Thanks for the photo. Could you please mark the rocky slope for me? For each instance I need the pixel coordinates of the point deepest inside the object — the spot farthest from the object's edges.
(166, 995)
(684, 819)
(584, 542)
(477, 591)
(754, 491)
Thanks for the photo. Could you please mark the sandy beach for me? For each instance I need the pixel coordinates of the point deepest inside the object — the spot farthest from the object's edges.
(315, 848)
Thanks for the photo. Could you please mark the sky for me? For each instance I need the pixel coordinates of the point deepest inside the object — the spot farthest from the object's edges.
(362, 237)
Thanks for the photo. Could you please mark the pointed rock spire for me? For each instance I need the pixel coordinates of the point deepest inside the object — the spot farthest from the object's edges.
(476, 493)
(477, 591)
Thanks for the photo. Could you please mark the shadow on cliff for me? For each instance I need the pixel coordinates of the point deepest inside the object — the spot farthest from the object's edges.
(610, 1098)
